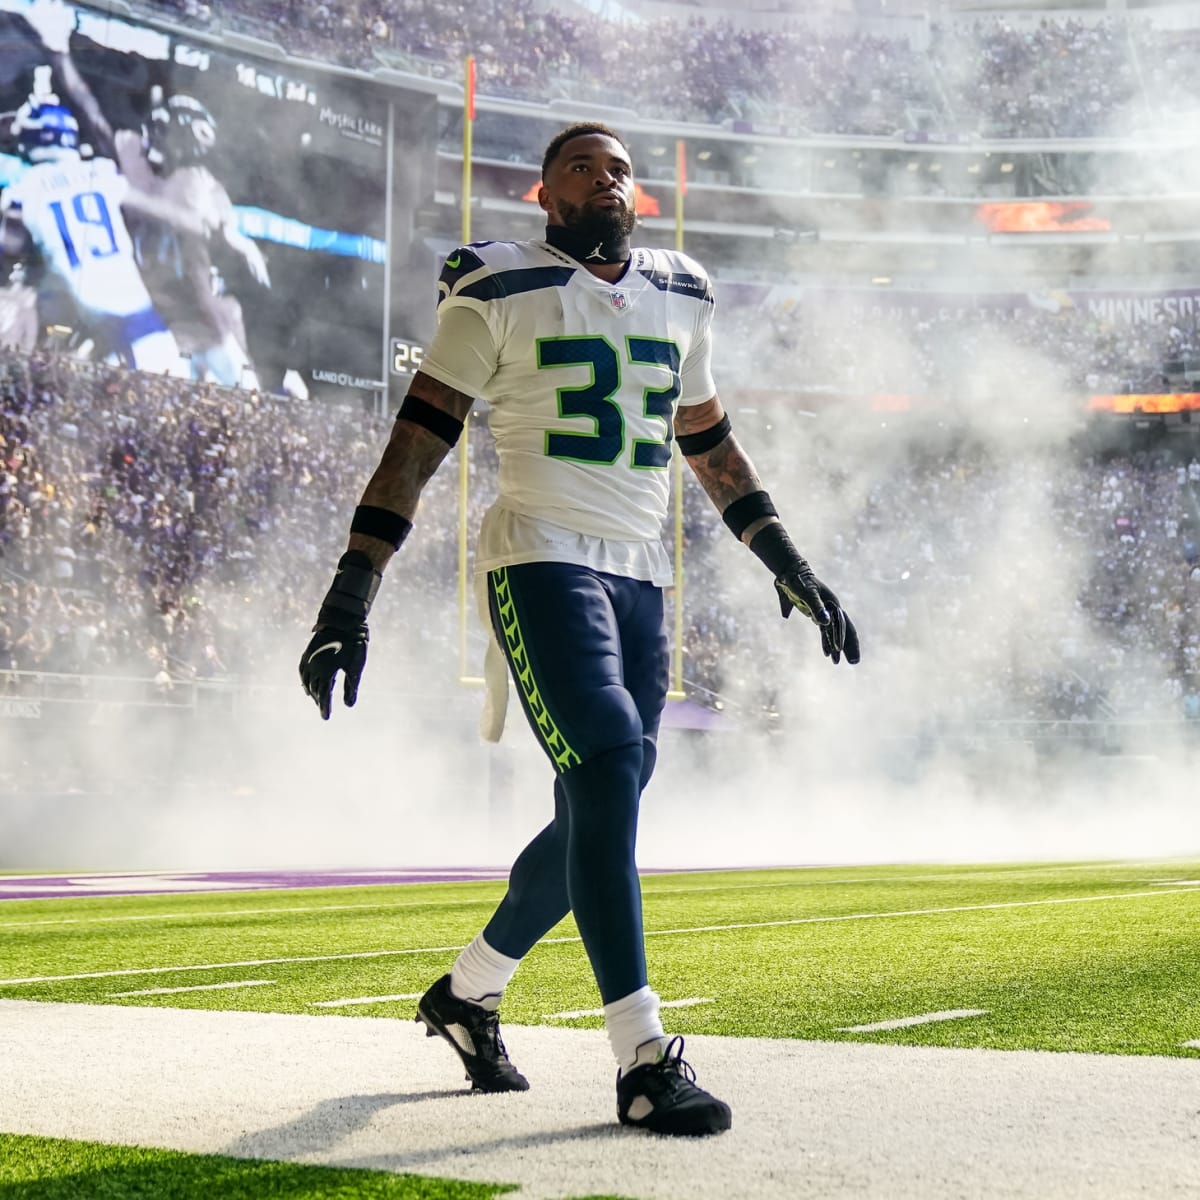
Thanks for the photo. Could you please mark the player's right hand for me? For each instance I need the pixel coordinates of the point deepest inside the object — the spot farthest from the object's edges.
(332, 650)
(339, 640)
(802, 590)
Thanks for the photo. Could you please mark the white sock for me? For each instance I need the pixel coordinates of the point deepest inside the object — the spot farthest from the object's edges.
(634, 1030)
(480, 974)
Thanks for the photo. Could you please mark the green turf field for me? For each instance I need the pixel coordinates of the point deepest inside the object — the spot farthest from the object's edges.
(55, 1169)
(1095, 957)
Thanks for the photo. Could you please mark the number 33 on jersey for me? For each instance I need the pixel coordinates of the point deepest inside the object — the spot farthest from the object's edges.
(582, 376)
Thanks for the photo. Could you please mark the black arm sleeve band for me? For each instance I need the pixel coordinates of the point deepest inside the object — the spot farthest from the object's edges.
(706, 439)
(381, 523)
(774, 549)
(745, 510)
(437, 421)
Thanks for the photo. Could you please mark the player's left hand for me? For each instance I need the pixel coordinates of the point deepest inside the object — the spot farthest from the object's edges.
(802, 590)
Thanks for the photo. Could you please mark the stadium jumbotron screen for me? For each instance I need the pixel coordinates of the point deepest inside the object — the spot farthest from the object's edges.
(284, 170)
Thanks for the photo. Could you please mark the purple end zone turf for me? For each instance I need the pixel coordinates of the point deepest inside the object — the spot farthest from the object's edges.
(145, 883)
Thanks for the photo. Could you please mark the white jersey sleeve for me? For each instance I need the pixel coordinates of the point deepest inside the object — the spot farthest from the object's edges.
(697, 378)
(463, 353)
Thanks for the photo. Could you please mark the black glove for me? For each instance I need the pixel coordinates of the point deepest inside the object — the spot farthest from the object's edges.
(339, 641)
(802, 590)
(799, 588)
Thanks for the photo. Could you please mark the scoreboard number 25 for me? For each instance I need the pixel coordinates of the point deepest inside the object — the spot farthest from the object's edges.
(406, 357)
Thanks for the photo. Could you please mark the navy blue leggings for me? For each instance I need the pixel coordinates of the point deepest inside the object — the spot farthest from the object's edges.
(588, 652)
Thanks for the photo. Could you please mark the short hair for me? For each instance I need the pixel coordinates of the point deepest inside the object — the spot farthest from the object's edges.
(573, 131)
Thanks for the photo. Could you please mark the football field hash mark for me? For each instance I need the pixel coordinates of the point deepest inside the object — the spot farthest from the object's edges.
(950, 1014)
(349, 1003)
(1194, 1044)
(562, 941)
(199, 987)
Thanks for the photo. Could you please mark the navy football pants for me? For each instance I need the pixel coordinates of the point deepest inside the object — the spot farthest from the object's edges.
(588, 652)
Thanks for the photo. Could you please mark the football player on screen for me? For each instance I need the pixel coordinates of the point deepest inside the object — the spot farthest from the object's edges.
(169, 161)
(593, 356)
(72, 211)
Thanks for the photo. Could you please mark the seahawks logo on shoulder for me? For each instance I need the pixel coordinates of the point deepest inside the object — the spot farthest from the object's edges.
(460, 262)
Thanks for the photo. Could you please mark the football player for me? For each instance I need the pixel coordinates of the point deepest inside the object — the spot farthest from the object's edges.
(72, 211)
(170, 162)
(592, 356)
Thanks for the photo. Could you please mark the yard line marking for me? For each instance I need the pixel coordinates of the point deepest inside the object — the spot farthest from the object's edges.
(599, 1012)
(1192, 1045)
(950, 1014)
(364, 1000)
(563, 941)
(1177, 882)
(250, 962)
(199, 987)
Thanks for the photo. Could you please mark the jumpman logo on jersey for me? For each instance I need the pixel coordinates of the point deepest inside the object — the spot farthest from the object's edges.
(597, 253)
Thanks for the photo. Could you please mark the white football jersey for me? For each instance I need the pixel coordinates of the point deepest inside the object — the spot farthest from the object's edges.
(72, 210)
(582, 392)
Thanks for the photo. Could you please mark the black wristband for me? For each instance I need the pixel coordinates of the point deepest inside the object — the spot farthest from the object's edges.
(745, 510)
(381, 523)
(349, 599)
(439, 422)
(706, 439)
(772, 546)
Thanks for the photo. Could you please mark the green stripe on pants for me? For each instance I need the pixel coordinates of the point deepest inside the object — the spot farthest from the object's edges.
(514, 645)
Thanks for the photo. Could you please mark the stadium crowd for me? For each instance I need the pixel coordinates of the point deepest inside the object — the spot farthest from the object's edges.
(1060, 78)
(937, 348)
(171, 531)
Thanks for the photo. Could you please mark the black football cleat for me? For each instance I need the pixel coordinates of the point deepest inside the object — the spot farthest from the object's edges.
(663, 1098)
(474, 1032)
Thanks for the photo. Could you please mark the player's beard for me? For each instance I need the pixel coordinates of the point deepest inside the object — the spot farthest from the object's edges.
(603, 224)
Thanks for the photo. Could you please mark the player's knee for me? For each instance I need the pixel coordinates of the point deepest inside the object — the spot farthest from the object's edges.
(612, 721)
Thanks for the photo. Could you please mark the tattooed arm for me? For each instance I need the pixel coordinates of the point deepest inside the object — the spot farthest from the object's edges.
(340, 636)
(728, 475)
(725, 472)
(411, 457)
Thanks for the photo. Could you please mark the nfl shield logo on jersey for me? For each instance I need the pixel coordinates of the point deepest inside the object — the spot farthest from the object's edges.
(619, 302)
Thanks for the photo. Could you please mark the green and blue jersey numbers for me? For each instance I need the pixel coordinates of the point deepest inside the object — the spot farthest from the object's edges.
(597, 399)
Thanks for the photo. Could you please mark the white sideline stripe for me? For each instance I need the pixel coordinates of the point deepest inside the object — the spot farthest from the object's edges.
(117, 918)
(950, 1014)
(1192, 1045)
(199, 987)
(564, 941)
(232, 912)
(364, 1000)
(599, 1012)
(983, 872)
